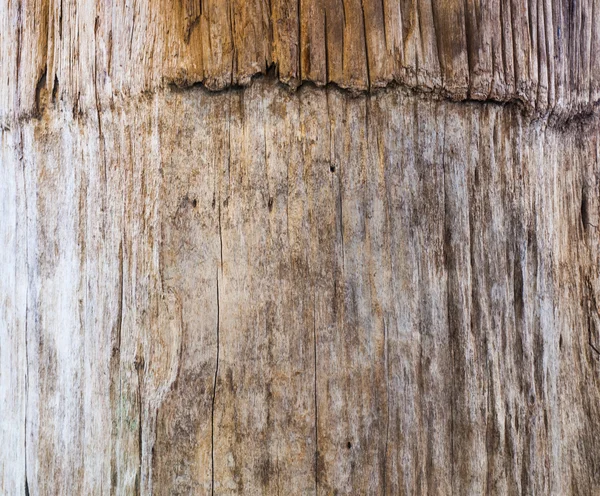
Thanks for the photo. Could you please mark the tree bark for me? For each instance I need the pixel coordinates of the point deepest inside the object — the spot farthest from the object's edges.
(367, 264)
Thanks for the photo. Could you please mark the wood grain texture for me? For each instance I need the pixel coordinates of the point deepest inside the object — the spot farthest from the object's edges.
(543, 54)
(261, 291)
(285, 247)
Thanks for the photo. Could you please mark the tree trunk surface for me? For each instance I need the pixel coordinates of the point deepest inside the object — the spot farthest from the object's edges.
(368, 264)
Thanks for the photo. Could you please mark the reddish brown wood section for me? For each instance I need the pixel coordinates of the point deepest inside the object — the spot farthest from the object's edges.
(541, 53)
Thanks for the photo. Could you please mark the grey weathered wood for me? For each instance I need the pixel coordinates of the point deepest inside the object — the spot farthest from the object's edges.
(399, 291)
(366, 288)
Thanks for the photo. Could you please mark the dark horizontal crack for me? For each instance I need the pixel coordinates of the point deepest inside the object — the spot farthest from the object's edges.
(562, 119)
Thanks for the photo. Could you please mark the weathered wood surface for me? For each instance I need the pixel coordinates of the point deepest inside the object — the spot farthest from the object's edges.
(542, 53)
(267, 292)
(277, 291)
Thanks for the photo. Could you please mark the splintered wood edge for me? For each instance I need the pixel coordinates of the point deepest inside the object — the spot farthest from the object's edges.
(545, 59)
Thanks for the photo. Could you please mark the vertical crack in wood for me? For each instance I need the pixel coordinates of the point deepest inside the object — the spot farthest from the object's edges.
(220, 242)
(132, 30)
(387, 391)
(228, 156)
(102, 141)
(25, 196)
(60, 19)
(342, 48)
(299, 42)
(590, 94)
(341, 216)
(472, 283)
(437, 17)
(212, 412)
(502, 46)
(233, 47)
(416, 30)
(39, 89)
(511, 17)
(384, 27)
(114, 366)
(214, 393)
(18, 51)
(326, 46)
(138, 478)
(366, 44)
(315, 393)
(120, 310)
(54, 89)
(592, 305)
(390, 244)
(448, 262)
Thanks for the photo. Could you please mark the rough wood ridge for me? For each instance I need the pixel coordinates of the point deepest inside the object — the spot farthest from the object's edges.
(544, 54)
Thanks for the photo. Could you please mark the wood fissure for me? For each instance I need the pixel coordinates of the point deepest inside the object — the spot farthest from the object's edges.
(214, 393)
